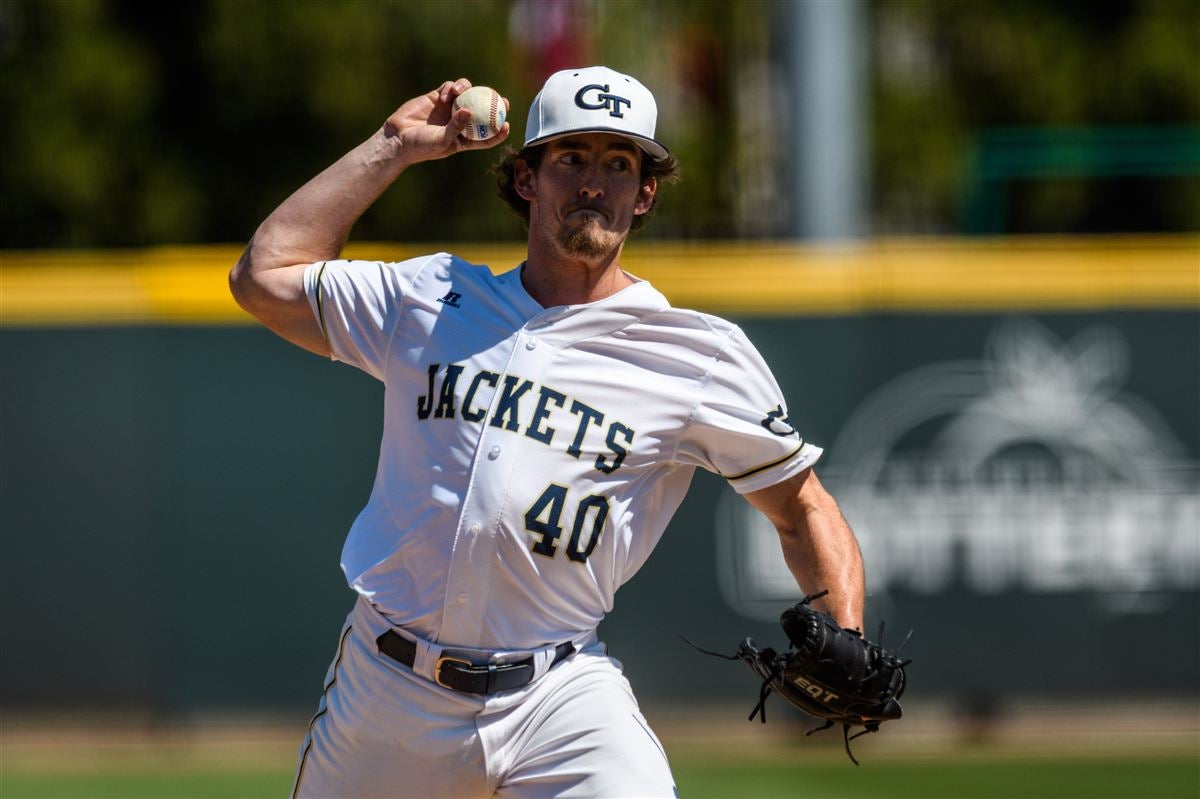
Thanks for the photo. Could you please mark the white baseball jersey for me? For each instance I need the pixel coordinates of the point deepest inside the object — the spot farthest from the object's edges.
(532, 457)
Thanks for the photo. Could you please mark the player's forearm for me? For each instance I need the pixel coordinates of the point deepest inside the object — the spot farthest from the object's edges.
(823, 555)
(314, 223)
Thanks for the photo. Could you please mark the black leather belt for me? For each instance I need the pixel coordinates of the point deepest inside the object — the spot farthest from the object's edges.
(460, 674)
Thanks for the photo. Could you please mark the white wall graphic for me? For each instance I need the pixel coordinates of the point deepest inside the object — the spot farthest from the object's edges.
(1028, 470)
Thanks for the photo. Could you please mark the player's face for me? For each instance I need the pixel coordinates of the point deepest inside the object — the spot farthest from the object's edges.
(586, 192)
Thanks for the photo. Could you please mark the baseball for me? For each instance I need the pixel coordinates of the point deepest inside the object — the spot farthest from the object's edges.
(487, 112)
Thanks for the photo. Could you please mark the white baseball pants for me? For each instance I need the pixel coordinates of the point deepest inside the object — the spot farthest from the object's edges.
(382, 731)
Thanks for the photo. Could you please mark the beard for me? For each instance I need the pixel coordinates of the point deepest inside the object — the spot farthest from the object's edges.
(588, 241)
(583, 243)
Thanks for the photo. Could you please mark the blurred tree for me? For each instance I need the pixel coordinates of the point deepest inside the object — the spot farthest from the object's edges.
(132, 123)
(296, 84)
(138, 123)
(82, 163)
(947, 71)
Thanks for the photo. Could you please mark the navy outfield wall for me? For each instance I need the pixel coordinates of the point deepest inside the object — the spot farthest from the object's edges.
(174, 497)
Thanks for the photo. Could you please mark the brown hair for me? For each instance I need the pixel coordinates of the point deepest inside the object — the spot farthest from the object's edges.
(665, 171)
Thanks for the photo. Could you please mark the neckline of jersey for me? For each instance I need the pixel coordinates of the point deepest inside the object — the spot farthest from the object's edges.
(640, 295)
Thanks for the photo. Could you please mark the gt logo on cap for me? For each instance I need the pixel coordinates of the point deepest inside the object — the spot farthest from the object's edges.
(610, 101)
(563, 107)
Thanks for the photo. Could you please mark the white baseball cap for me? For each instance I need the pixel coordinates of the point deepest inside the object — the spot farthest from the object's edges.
(594, 100)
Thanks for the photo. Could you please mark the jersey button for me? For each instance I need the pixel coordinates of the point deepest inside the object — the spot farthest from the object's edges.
(494, 453)
(462, 598)
(531, 344)
(475, 528)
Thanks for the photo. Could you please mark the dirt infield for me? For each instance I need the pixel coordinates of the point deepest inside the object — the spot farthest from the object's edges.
(1034, 752)
(31, 743)
(1022, 729)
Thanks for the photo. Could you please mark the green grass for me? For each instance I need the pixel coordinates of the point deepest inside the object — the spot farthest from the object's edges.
(152, 785)
(979, 777)
(1007, 778)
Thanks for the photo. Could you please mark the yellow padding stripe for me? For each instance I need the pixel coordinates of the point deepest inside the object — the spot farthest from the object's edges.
(188, 285)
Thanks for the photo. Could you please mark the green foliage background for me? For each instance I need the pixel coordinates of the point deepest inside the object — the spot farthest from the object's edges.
(135, 123)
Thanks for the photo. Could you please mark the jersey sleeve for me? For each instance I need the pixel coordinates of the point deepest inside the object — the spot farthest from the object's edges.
(740, 428)
(358, 305)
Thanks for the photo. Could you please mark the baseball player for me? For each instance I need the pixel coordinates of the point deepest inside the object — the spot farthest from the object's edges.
(540, 428)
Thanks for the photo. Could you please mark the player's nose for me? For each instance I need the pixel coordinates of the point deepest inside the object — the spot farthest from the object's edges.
(591, 183)
(591, 191)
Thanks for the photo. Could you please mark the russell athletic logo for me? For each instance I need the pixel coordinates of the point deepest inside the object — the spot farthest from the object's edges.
(451, 299)
(604, 100)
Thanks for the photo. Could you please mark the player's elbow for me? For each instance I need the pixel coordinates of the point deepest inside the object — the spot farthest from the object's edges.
(248, 285)
(239, 280)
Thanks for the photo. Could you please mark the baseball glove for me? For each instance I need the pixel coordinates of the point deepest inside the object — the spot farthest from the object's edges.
(829, 672)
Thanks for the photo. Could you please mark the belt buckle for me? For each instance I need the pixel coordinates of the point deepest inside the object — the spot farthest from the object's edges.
(437, 669)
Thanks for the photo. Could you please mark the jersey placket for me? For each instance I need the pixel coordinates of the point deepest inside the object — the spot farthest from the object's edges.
(474, 556)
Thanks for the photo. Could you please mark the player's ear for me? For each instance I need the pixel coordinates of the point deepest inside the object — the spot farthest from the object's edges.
(645, 198)
(523, 180)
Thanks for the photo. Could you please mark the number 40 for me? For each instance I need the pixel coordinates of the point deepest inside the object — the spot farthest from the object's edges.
(543, 516)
